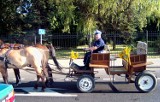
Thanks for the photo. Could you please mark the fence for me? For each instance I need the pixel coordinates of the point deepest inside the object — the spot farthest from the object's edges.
(150, 37)
(74, 40)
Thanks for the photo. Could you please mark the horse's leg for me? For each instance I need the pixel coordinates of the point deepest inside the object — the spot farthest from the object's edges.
(43, 82)
(44, 77)
(18, 77)
(49, 81)
(5, 79)
(5, 75)
(46, 73)
(36, 85)
(40, 74)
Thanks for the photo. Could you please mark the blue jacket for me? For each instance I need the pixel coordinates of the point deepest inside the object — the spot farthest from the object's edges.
(100, 44)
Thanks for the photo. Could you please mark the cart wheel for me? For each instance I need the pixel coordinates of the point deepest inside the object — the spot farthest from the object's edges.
(145, 81)
(85, 83)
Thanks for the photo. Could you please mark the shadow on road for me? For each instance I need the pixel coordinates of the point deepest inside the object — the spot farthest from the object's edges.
(70, 87)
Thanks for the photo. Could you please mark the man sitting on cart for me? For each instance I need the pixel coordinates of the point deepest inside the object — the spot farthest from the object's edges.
(98, 47)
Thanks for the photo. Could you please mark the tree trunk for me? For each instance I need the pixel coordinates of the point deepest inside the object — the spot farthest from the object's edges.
(114, 41)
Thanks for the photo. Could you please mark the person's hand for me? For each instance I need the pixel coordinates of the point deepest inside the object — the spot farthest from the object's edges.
(86, 49)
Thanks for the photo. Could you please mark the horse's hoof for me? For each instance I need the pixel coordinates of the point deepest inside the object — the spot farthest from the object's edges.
(15, 85)
(18, 83)
(36, 87)
(49, 84)
(43, 90)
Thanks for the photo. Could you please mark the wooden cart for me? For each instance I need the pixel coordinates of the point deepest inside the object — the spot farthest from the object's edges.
(145, 81)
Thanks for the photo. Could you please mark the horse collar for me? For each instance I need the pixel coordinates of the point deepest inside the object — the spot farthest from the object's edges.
(6, 54)
(6, 61)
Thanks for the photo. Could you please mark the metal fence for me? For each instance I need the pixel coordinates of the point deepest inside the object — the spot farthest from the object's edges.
(74, 40)
(150, 37)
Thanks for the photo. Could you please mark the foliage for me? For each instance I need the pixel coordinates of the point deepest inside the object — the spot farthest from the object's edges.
(155, 16)
(8, 18)
(83, 16)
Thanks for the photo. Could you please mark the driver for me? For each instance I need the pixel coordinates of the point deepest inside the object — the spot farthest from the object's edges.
(98, 47)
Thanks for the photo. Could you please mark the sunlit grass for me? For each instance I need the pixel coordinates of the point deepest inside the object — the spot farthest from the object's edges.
(65, 53)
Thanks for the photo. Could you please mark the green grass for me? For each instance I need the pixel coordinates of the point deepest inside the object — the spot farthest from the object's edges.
(152, 53)
(65, 53)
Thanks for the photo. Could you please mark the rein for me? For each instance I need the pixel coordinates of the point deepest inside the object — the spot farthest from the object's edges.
(10, 47)
(6, 61)
(2, 58)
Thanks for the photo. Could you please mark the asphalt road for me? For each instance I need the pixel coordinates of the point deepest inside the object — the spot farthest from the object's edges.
(104, 92)
(66, 90)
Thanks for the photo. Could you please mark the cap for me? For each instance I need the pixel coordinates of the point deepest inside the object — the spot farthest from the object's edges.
(97, 32)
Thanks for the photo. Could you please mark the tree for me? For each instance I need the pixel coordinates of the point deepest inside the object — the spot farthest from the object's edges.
(124, 16)
(62, 16)
(8, 16)
(154, 19)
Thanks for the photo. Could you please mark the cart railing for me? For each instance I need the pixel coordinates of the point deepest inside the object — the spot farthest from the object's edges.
(100, 60)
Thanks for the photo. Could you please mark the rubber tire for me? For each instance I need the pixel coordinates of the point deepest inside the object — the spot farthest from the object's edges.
(146, 73)
(89, 77)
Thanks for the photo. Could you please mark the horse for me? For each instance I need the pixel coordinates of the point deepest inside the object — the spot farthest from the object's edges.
(49, 51)
(34, 56)
(16, 47)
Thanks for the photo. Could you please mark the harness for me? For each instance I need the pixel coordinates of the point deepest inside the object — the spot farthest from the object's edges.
(10, 46)
(5, 59)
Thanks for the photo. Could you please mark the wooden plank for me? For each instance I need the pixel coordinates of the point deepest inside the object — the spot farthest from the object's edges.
(98, 66)
(141, 64)
(100, 62)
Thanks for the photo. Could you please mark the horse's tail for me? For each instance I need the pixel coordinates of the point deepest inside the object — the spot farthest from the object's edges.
(53, 55)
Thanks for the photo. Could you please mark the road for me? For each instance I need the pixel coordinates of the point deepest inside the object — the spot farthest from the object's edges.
(66, 90)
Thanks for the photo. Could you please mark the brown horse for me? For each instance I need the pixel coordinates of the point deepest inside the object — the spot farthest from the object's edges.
(33, 56)
(49, 50)
(16, 47)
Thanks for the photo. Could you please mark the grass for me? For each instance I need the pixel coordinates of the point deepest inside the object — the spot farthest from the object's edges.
(65, 53)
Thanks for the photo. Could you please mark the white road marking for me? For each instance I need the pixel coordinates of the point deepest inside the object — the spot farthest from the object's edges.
(48, 92)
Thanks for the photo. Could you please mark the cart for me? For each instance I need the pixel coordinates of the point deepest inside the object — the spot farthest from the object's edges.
(145, 81)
